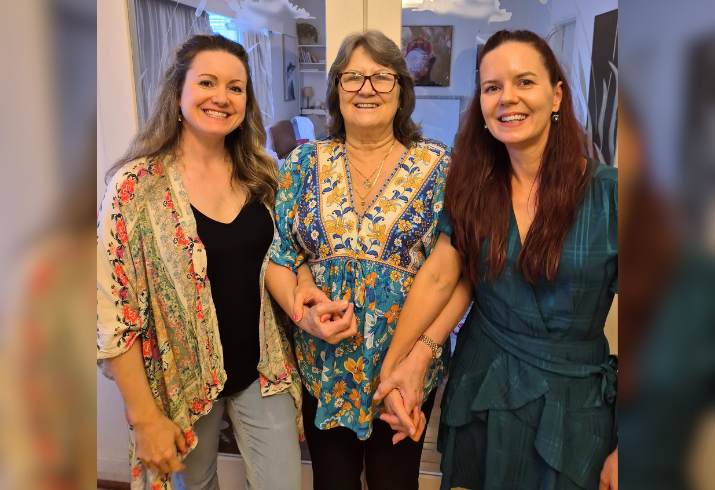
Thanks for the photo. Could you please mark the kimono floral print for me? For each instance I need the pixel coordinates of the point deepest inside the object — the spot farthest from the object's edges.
(152, 287)
(369, 260)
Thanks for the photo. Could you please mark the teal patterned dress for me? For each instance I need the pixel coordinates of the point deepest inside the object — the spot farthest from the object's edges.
(531, 397)
(369, 260)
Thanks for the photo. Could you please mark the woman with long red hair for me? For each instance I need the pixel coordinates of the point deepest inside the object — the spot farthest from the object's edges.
(532, 224)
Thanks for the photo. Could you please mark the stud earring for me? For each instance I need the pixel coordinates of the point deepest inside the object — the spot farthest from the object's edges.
(485, 126)
(555, 117)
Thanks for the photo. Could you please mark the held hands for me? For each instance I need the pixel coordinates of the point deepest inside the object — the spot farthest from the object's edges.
(158, 440)
(402, 391)
(407, 424)
(314, 313)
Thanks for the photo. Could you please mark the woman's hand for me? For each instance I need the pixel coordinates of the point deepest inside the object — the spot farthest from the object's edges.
(158, 442)
(157, 438)
(407, 382)
(406, 424)
(342, 326)
(307, 294)
(609, 474)
(408, 377)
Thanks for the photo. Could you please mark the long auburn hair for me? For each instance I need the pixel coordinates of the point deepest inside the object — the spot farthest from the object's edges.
(478, 188)
(256, 171)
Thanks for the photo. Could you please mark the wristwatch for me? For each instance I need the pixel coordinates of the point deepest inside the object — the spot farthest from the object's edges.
(436, 349)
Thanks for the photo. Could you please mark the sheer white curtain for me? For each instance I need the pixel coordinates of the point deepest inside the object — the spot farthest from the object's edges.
(161, 26)
(258, 46)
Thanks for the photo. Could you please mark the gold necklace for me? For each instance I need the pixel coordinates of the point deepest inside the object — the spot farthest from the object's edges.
(368, 183)
(362, 198)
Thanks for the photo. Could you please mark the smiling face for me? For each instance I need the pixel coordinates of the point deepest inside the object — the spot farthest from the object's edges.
(367, 110)
(213, 99)
(516, 95)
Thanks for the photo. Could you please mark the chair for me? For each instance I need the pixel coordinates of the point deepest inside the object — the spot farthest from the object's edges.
(281, 138)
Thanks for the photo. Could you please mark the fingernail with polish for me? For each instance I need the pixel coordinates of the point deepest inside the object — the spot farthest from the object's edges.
(295, 318)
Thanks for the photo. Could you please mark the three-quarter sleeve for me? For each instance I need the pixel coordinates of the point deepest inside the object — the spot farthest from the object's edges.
(286, 249)
(118, 311)
(439, 191)
(445, 223)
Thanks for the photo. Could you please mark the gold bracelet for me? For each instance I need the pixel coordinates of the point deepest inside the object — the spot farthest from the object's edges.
(436, 349)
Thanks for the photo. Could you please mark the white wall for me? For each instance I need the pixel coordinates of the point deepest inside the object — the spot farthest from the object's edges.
(116, 124)
(530, 14)
(584, 12)
(526, 14)
(289, 109)
(282, 109)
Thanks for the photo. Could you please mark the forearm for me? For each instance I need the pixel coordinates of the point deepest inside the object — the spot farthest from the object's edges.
(281, 283)
(305, 275)
(438, 330)
(458, 305)
(129, 374)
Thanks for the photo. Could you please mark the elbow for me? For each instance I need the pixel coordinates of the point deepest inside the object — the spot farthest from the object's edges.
(441, 281)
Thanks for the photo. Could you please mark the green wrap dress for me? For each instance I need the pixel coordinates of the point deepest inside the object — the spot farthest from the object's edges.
(531, 397)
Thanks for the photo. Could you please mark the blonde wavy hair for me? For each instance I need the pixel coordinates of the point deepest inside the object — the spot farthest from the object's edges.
(255, 169)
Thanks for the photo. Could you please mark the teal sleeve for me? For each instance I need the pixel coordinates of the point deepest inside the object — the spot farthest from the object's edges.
(286, 249)
(445, 223)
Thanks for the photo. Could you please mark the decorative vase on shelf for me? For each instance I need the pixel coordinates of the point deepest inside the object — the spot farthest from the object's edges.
(307, 33)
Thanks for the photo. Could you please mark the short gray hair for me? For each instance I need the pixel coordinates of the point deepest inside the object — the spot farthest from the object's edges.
(385, 52)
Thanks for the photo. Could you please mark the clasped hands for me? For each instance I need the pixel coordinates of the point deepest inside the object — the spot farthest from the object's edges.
(315, 313)
(401, 388)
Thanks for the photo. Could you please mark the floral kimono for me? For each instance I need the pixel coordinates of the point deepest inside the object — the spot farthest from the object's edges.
(152, 287)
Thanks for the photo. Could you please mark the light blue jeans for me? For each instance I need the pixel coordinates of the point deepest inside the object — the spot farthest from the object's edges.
(267, 437)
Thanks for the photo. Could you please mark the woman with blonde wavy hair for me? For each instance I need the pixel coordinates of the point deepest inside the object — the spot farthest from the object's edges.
(184, 325)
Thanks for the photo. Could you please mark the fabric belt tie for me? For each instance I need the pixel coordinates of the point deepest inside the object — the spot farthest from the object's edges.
(515, 379)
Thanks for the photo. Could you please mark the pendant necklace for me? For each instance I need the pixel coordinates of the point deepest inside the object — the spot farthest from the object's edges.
(369, 182)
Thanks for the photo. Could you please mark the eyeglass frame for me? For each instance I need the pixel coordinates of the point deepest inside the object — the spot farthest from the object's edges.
(366, 78)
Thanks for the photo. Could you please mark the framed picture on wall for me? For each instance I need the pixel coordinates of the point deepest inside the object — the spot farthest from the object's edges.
(428, 52)
(290, 67)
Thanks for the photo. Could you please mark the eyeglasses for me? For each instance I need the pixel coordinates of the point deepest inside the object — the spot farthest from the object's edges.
(381, 82)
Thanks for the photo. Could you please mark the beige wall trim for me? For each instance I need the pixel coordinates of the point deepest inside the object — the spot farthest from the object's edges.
(364, 15)
(386, 16)
(346, 16)
(341, 18)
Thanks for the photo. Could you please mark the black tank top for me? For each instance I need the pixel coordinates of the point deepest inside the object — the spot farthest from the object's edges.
(234, 254)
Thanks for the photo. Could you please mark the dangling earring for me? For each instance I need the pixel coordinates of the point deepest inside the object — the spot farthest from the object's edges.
(179, 115)
(555, 117)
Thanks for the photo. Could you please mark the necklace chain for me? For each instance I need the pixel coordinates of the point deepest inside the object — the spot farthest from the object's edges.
(368, 184)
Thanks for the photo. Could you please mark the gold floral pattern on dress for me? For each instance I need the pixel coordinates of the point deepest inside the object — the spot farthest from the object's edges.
(368, 259)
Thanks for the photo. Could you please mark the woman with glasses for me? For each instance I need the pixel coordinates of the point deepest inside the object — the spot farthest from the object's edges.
(356, 216)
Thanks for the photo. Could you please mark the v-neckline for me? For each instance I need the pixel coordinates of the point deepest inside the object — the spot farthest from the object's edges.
(197, 210)
(514, 226)
(346, 169)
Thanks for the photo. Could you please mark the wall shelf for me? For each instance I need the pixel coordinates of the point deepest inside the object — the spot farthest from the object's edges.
(317, 112)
